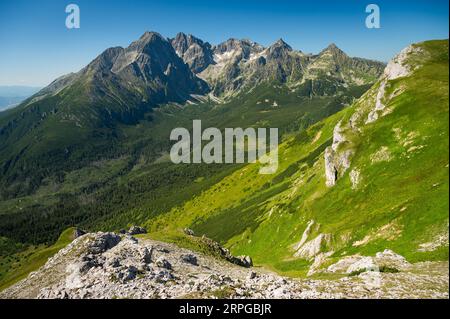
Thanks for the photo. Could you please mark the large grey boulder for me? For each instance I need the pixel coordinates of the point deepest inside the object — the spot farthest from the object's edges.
(189, 232)
(244, 261)
(78, 233)
(163, 263)
(136, 230)
(189, 259)
(102, 242)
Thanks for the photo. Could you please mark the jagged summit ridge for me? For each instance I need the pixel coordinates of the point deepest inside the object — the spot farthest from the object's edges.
(243, 64)
(180, 67)
(194, 52)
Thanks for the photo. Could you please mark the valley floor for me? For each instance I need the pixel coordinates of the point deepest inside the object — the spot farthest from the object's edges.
(106, 265)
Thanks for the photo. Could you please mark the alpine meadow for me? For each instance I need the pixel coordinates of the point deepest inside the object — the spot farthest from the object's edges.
(105, 191)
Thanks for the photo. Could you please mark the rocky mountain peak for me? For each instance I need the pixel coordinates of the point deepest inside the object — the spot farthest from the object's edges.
(151, 36)
(233, 44)
(236, 50)
(228, 46)
(332, 46)
(279, 49)
(244, 63)
(183, 41)
(194, 52)
(281, 43)
(147, 72)
(149, 41)
(105, 61)
(333, 50)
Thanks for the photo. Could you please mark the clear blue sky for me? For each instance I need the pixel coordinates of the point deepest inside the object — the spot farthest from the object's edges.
(36, 47)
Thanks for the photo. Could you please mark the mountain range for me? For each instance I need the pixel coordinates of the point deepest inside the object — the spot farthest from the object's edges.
(122, 86)
(363, 155)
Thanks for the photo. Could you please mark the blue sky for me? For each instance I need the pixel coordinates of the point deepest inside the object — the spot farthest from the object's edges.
(36, 47)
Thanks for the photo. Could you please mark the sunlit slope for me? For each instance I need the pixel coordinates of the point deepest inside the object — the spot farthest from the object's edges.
(393, 194)
(29, 260)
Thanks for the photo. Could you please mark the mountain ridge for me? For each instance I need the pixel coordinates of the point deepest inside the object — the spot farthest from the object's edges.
(190, 48)
(123, 86)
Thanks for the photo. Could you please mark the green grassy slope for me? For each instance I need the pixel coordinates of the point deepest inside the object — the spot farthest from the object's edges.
(135, 178)
(400, 203)
(15, 267)
(114, 190)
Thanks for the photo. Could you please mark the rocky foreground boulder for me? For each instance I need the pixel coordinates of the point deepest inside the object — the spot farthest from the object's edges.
(136, 230)
(108, 265)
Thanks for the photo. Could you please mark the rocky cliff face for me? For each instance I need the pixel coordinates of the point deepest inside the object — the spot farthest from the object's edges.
(151, 64)
(397, 68)
(338, 156)
(194, 52)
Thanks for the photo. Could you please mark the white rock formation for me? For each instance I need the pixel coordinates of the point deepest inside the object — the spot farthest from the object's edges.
(381, 155)
(304, 235)
(336, 161)
(391, 259)
(355, 178)
(330, 169)
(439, 241)
(379, 105)
(343, 264)
(313, 247)
(395, 69)
(358, 263)
(363, 264)
(398, 66)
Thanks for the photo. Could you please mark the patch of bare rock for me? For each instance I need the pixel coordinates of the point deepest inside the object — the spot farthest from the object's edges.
(108, 265)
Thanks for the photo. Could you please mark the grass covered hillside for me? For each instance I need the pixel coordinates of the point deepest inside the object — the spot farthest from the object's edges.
(135, 180)
(360, 171)
(29, 259)
(373, 176)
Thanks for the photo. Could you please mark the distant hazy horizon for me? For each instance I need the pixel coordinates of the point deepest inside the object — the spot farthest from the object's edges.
(17, 90)
(12, 95)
